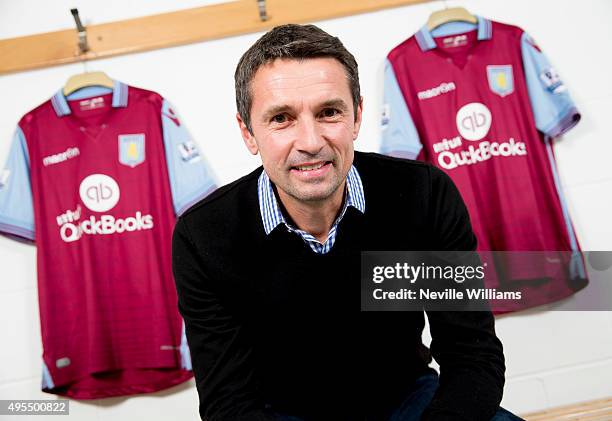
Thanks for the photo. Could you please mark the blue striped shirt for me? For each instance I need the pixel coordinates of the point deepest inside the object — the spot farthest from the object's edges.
(272, 215)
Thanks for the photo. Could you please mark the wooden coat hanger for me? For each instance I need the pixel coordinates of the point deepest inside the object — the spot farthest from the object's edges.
(453, 14)
(86, 78)
(83, 80)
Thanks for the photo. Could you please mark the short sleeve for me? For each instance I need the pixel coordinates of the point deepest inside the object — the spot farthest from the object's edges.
(16, 208)
(553, 108)
(191, 178)
(399, 135)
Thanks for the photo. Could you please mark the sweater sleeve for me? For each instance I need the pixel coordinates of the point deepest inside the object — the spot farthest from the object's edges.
(464, 343)
(221, 356)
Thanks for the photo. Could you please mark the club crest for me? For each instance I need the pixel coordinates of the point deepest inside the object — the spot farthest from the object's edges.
(501, 79)
(131, 149)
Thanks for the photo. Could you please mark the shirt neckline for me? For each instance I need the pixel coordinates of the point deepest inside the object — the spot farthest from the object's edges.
(272, 215)
(425, 37)
(120, 99)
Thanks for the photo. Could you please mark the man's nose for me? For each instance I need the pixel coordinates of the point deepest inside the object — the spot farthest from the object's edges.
(309, 138)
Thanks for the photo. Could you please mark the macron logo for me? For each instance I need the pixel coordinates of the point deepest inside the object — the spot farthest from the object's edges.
(61, 157)
(442, 88)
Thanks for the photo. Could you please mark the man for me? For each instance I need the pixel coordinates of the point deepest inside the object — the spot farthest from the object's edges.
(267, 267)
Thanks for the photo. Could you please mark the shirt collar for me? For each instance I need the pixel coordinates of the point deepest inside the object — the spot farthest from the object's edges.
(426, 40)
(120, 99)
(272, 215)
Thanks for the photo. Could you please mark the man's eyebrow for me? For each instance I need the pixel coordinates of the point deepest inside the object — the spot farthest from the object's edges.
(274, 110)
(335, 103)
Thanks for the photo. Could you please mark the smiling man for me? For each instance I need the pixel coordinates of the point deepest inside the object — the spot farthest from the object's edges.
(306, 122)
(267, 268)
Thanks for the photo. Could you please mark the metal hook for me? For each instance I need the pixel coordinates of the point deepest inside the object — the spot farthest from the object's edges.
(263, 14)
(83, 45)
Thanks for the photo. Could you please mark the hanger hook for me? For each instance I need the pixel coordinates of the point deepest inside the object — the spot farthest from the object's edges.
(83, 45)
(263, 13)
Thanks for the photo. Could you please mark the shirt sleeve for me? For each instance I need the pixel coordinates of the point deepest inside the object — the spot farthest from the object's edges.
(464, 343)
(16, 209)
(553, 108)
(399, 135)
(191, 178)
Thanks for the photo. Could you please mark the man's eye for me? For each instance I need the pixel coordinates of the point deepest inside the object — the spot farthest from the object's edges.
(329, 112)
(279, 118)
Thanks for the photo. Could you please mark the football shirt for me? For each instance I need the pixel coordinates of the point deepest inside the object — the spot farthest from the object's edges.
(96, 180)
(482, 102)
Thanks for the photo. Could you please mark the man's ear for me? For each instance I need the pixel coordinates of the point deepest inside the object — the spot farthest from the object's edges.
(247, 137)
(358, 119)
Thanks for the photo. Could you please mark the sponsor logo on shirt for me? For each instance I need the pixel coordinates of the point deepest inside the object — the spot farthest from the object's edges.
(4, 176)
(442, 88)
(105, 225)
(99, 193)
(474, 122)
(501, 79)
(61, 157)
(484, 151)
(447, 144)
(131, 149)
(189, 152)
(69, 216)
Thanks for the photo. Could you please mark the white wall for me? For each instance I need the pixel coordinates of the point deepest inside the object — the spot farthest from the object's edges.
(553, 358)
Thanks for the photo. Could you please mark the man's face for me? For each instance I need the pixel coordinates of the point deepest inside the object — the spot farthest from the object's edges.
(304, 126)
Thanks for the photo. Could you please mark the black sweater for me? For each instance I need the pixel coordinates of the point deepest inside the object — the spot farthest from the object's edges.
(273, 326)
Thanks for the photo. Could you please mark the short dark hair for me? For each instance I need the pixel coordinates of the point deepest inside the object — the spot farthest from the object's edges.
(290, 42)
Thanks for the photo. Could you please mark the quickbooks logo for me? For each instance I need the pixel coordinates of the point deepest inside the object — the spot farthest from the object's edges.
(473, 121)
(482, 152)
(99, 193)
(107, 224)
